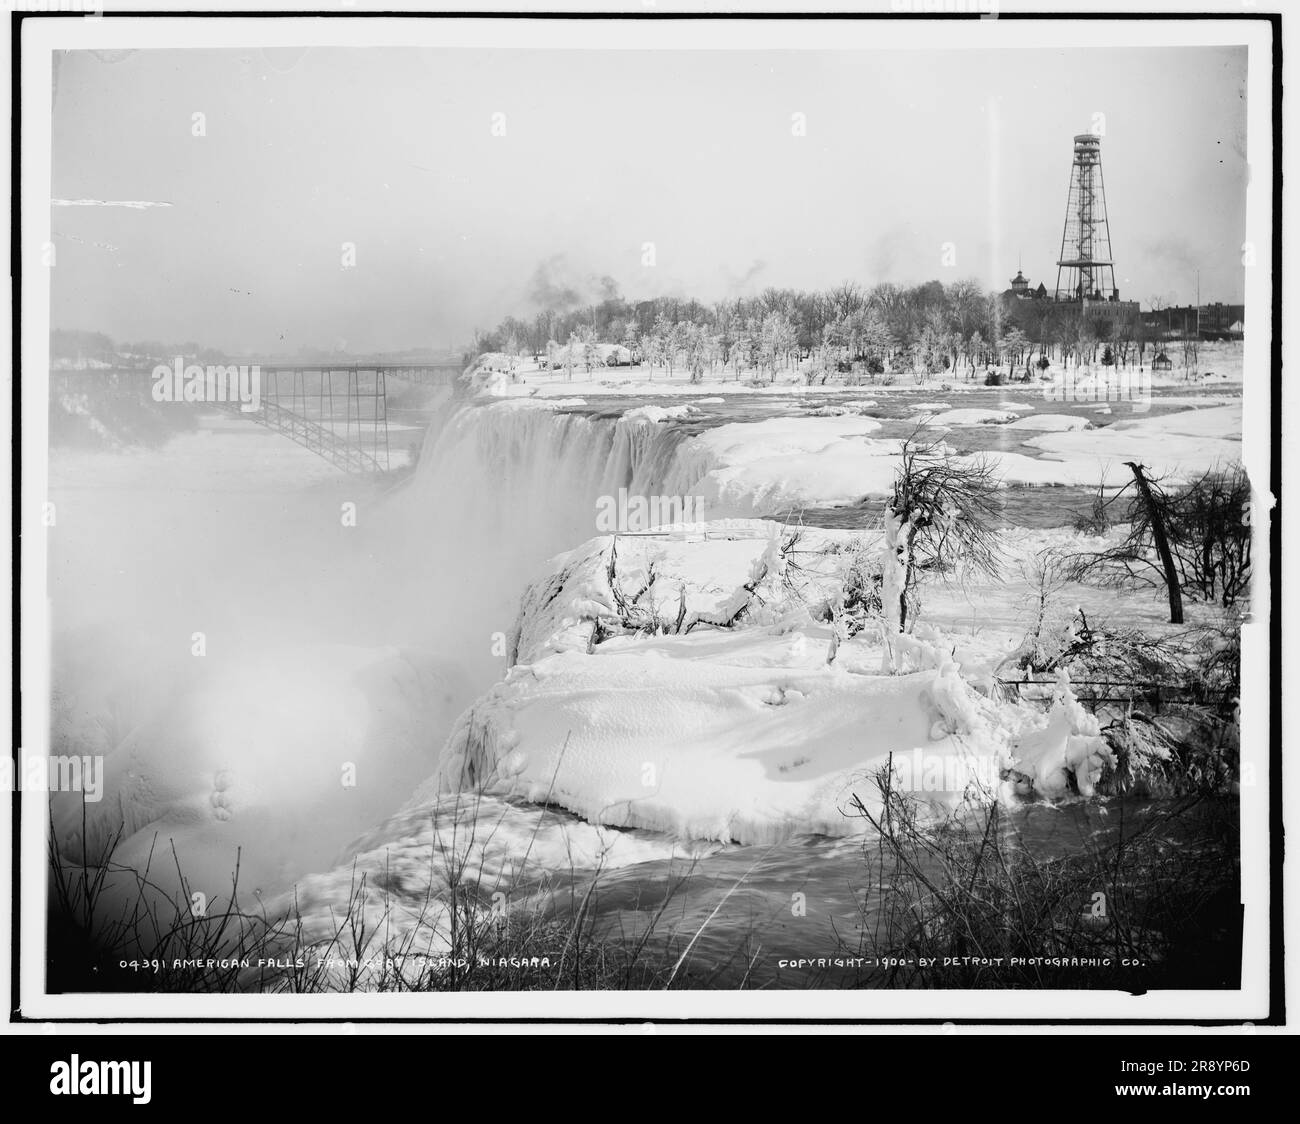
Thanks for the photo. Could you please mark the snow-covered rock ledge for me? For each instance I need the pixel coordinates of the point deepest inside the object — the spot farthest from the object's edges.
(682, 682)
(711, 751)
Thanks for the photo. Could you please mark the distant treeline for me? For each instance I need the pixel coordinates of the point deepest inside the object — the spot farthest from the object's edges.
(930, 327)
(74, 344)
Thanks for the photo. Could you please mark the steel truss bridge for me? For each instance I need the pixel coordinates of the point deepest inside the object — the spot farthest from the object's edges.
(338, 413)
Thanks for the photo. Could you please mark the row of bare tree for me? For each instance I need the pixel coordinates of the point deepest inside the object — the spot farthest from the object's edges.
(925, 328)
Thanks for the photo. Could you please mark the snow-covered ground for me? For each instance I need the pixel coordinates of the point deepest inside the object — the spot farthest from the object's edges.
(1175, 447)
(790, 463)
(973, 416)
(743, 733)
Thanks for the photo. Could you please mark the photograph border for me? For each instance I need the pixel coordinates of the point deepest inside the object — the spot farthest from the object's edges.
(169, 1009)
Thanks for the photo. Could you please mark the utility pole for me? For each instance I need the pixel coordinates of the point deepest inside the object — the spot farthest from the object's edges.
(1196, 345)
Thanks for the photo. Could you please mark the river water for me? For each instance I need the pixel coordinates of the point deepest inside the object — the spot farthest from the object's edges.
(899, 412)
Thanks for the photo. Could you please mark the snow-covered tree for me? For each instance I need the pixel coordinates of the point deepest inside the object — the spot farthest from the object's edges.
(742, 351)
(695, 346)
(1014, 345)
(586, 346)
(776, 338)
(940, 518)
(631, 340)
(976, 351)
(663, 341)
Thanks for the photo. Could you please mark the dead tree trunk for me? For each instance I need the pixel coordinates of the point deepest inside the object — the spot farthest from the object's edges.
(1162, 544)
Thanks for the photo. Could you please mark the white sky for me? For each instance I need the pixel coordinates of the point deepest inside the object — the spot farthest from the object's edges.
(392, 149)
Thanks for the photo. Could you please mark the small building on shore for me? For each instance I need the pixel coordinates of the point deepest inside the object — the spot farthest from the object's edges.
(1020, 289)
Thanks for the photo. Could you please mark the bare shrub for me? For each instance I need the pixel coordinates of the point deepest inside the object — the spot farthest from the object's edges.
(965, 901)
(448, 935)
(1207, 527)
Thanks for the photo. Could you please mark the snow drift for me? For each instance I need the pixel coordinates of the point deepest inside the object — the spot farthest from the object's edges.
(743, 731)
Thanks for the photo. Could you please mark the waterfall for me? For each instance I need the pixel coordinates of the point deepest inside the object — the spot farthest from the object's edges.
(384, 618)
(498, 490)
(535, 473)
